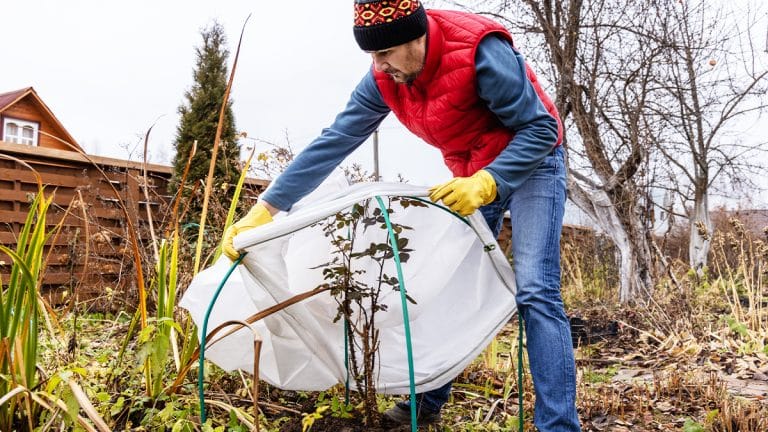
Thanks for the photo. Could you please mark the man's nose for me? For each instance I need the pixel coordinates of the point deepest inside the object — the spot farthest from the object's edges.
(379, 64)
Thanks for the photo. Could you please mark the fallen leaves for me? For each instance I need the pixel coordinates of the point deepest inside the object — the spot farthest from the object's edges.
(663, 382)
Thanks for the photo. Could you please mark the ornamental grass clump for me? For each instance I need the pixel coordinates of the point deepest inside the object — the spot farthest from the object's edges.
(20, 314)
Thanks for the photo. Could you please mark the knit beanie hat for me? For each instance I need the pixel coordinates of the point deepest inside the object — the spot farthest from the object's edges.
(382, 24)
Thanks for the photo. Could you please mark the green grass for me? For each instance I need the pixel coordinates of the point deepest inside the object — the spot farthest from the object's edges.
(602, 376)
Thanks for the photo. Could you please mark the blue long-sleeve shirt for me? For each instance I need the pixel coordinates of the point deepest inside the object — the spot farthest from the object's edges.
(502, 82)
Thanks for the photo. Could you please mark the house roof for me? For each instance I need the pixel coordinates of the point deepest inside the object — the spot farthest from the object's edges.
(8, 99)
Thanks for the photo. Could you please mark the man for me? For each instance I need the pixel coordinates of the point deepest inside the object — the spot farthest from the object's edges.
(455, 80)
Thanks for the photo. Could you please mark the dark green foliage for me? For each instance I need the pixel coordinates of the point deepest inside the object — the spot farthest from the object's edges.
(200, 116)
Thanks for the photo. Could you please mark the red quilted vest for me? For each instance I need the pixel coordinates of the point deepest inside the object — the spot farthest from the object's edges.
(442, 106)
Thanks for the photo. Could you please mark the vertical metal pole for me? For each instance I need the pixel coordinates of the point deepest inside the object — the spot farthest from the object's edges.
(376, 155)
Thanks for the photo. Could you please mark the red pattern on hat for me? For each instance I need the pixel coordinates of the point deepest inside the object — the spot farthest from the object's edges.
(375, 13)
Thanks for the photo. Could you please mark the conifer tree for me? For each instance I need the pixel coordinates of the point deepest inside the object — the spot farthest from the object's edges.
(200, 116)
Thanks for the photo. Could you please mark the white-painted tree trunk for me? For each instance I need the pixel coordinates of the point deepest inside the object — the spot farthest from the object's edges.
(701, 232)
(634, 261)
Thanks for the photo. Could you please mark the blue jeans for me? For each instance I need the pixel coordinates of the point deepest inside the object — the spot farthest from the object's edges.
(536, 209)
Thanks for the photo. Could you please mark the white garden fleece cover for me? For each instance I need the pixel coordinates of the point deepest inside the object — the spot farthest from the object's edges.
(462, 284)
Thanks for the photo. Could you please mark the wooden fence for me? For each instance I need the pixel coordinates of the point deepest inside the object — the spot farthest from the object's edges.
(91, 254)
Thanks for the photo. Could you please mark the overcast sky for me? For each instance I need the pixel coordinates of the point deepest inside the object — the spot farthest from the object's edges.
(109, 70)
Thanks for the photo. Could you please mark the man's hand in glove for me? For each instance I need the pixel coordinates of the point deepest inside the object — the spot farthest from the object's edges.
(464, 195)
(258, 215)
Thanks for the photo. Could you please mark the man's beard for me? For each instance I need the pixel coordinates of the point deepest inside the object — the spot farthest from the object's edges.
(403, 78)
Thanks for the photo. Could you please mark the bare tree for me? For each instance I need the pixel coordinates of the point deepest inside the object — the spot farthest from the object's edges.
(713, 74)
(629, 87)
(600, 55)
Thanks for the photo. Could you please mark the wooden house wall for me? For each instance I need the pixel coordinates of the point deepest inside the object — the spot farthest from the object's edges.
(27, 109)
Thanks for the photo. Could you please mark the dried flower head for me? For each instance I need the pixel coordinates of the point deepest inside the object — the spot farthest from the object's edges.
(702, 229)
(737, 225)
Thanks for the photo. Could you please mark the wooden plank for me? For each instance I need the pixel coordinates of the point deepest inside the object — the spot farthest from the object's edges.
(9, 216)
(64, 277)
(18, 150)
(52, 219)
(9, 238)
(25, 176)
(98, 254)
(54, 259)
(109, 218)
(61, 197)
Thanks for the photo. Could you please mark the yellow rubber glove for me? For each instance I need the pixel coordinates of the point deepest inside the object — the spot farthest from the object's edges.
(258, 215)
(464, 195)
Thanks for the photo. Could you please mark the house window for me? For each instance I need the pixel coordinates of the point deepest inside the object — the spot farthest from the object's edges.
(20, 131)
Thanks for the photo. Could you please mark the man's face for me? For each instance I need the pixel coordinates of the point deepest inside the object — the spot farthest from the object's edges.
(402, 62)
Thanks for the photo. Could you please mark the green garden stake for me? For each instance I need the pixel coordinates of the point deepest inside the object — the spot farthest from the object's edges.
(404, 301)
(201, 359)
